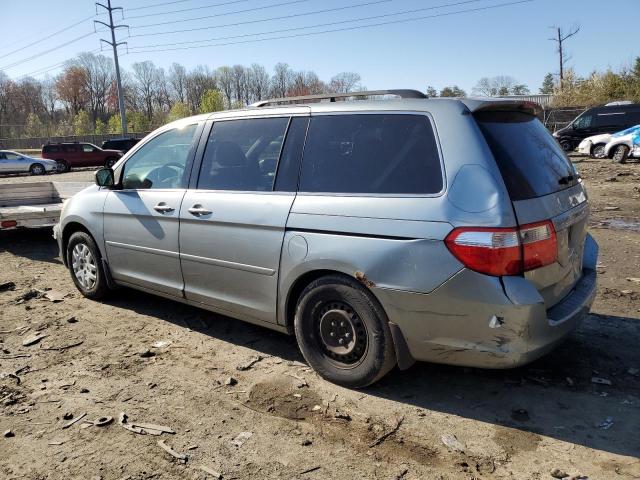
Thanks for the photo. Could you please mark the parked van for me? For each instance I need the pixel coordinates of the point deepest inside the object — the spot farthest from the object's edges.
(75, 154)
(379, 232)
(607, 119)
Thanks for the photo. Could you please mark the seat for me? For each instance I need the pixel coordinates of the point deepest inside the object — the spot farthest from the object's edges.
(228, 169)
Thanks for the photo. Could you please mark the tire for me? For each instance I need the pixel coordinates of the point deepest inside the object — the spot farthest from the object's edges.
(328, 310)
(110, 162)
(63, 166)
(566, 145)
(597, 151)
(84, 261)
(37, 169)
(620, 154)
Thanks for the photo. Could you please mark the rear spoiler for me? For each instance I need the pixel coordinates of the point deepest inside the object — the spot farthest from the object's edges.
(502, 104)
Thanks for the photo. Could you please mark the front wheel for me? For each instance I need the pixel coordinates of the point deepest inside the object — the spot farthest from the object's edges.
(85, 264)
(37, 169)
(597, 151)
(566, 145)
(110, 162)
(621, 153)
(343, 332)
(63, 166)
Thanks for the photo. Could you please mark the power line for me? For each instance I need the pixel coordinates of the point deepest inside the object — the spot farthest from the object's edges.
(262, 20)
(49, 68)
(47, 37)
(28, 59)
(339, 29)
(189, 9)
(157, 5)
(254, 9)
(361, 19)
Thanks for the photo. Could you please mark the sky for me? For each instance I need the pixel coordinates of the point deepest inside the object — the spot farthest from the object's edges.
(446, 48)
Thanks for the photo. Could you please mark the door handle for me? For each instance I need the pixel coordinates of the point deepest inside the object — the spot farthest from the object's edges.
(163, 208)
(199, 210)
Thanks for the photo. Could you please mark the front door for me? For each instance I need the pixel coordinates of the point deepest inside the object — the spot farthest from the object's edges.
(141, 218)
(232, 225)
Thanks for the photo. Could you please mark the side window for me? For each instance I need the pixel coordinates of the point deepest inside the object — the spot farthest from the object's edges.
(12, 156)
(161, 162)
(242, 155)
(371, 154)
(585, 121)
(86, 148)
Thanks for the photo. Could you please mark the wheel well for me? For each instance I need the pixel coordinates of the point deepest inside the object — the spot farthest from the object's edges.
(296, 289)
(70, 229)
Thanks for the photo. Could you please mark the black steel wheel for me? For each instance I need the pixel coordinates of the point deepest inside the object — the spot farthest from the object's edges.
(343, 332)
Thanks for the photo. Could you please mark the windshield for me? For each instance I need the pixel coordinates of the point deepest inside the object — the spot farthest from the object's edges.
(530, 160)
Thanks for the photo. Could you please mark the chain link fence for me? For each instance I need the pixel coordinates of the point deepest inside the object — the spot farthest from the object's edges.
(37, 142)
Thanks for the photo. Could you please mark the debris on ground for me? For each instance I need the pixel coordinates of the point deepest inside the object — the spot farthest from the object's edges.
(28, 295)
(633, 279)
(4, 375)
(146, 353)
(5, 286)
(75, 420)
(601, 381)
(557, 473)
(161, 344)
(386, 435)
(143, 428)
(62, 348)
(452, 442)
(241, 438)
(607, 424)
(249, 363)
(231, 381)
(8, 434)
(102, 421)
(33, 339)
(210, 471)
(179, 456)
(301, 381)
(54, 296)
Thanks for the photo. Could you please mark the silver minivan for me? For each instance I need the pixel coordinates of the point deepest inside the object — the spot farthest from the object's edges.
(379, 231)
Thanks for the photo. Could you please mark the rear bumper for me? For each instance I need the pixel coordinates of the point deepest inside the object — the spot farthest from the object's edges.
(480, 321)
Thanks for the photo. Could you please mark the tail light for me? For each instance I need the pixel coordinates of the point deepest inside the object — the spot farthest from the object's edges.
(8, 224)
(504, 251)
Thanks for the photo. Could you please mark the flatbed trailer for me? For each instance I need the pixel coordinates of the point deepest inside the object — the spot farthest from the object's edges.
(34, 205)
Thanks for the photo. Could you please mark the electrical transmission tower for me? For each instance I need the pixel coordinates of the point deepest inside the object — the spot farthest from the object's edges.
(114, 45)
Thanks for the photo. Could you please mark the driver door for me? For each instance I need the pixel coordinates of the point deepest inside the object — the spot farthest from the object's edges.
(141, 217)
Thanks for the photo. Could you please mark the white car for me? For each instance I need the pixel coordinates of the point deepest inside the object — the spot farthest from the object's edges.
(14, 162)
(624, 144)
(594, 145)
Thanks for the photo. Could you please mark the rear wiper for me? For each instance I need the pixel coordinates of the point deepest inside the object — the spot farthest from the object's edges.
(566, 180)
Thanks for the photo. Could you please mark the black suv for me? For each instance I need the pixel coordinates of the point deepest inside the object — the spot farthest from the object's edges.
(122, 144)
(597, 120)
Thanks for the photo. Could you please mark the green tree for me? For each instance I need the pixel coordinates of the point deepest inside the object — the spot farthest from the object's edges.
(82, 123)
(547, 85)
(431, 92)
(101, 127)
(453, 91)
(211, 101)
(114, 125)
(138, 122)
(178, 111)
(33, 126)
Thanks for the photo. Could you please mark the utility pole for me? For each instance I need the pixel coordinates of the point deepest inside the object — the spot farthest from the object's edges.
(560, 39)
(114, 44)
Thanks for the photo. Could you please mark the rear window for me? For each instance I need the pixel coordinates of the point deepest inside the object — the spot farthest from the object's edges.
(371, 154)
(51, 149)
(531, 162)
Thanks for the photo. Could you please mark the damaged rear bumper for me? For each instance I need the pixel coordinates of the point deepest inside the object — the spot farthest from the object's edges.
(480, 321)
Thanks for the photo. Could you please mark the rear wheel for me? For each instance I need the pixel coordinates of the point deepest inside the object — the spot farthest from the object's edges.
(620, 154)
(597, 151)
(343, 332)
(85, 264)
(63, 166)
(37, 169)
(110, 162)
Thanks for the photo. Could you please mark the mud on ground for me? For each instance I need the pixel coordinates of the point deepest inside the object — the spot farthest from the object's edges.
(243, 403)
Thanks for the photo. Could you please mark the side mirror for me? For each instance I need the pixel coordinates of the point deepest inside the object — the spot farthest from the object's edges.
(104, 177)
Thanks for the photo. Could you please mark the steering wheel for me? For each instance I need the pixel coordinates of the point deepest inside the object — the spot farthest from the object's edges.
(167, 175)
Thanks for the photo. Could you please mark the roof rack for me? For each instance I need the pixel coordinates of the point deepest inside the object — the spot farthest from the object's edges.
(331, 97)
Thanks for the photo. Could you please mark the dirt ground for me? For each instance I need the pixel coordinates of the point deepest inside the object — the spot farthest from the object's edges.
(164, 363)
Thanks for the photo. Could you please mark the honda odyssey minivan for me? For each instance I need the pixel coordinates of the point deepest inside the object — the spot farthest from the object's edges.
(379, 231)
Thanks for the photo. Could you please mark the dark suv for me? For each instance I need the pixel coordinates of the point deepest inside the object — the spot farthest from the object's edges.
(121, 144)
(79, 155)
(606, 119)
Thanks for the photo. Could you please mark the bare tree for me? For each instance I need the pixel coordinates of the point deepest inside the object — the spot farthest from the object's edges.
(560, 38)
(258, 82)
(49, 97)
(178, 82)
(500, 85)
(281, 80)
(225, 82)
(239, 83)
(306, 83)
(199, 80)
(146, 76)
(345, 82)
(99, 74)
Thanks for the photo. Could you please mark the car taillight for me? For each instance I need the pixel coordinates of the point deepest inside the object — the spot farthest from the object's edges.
(8, 224)
(504, 251)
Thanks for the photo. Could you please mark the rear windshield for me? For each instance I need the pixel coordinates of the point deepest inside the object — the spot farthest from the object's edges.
(530, 160)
